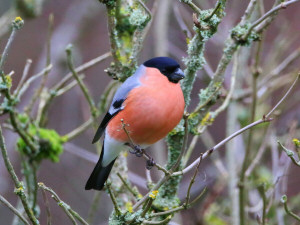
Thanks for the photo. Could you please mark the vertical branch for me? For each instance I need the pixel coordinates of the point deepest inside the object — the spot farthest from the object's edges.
(18, 185)
(113, 198)
(242, 192)
(193, 62)
(161, 25)
(38, 92)
(49, 219)
(84, 89)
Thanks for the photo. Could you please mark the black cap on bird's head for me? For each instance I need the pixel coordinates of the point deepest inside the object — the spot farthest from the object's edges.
(167, 66)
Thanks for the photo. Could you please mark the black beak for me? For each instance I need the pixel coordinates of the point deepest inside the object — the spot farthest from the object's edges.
(177, 75)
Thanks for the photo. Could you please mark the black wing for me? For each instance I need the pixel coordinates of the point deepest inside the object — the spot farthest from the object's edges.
(103, 125)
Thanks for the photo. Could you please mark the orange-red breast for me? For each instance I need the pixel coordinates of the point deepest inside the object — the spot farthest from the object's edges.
(150, 103)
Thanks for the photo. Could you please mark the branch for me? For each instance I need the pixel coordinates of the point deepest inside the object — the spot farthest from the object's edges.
(135, 193)
(192, 6)
(6, 49)
(289, 212)
(179, 208)
(68, 210)
(283, 5)
(24, 76)
(187, 198)
(41, 88)
(184, 145)
(214, 11)
(266, 118)
(84, 89)
(81, 69)
(25, 86)
(113, 198)
(18, 185)
(249, 11)
(165, 221)
(290, 154)
(14, 210)
(47, 207)
(74, 133)
(55, 90)
(262, 191)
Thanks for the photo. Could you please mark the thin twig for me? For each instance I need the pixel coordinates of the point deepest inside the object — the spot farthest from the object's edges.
(192, 6)
(262, 190)
(77, 131)
(14, 210)
(187, 198)
(146, 207)
(6, 49)
(41, 88)
(284, 97)
(68, 210)
(179, 208)
(18, 185)
(129, 188)
(198, 197)
(259, 154)
(113, 198)
(190, 150)
(24, 76)
(48, 211)
(84, 89)
(220, 144)
(249, 11)
(242, 200)
(94, 207)
(25, 86)
(165, 221)
(283, 5)
(232, 87)
(287, 210)
(69, 86)
(290, 154)
(156, 187)
(266, 118)
(80, 69)
(213, 12)
(184, 145)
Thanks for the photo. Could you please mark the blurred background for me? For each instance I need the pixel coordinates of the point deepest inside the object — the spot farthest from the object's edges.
(84, 24)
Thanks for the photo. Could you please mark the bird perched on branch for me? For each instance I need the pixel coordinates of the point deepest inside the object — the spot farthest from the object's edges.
(150, 104)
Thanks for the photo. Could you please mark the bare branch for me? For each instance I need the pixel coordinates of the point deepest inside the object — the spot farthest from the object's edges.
(67, 209)
(263, 120)
(13, 209)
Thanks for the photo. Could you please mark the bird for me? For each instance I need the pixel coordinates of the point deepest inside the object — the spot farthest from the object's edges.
(150, 103)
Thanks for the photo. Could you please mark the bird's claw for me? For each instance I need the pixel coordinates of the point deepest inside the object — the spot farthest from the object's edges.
(137, 150)
(150, 163)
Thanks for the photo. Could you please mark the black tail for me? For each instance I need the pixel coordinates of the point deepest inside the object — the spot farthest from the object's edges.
(99, 174)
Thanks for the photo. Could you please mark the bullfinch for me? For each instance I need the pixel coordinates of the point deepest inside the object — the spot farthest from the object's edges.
(150, 103)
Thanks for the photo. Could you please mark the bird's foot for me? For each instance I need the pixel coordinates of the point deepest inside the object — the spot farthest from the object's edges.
(137, 150)
(150, 163)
